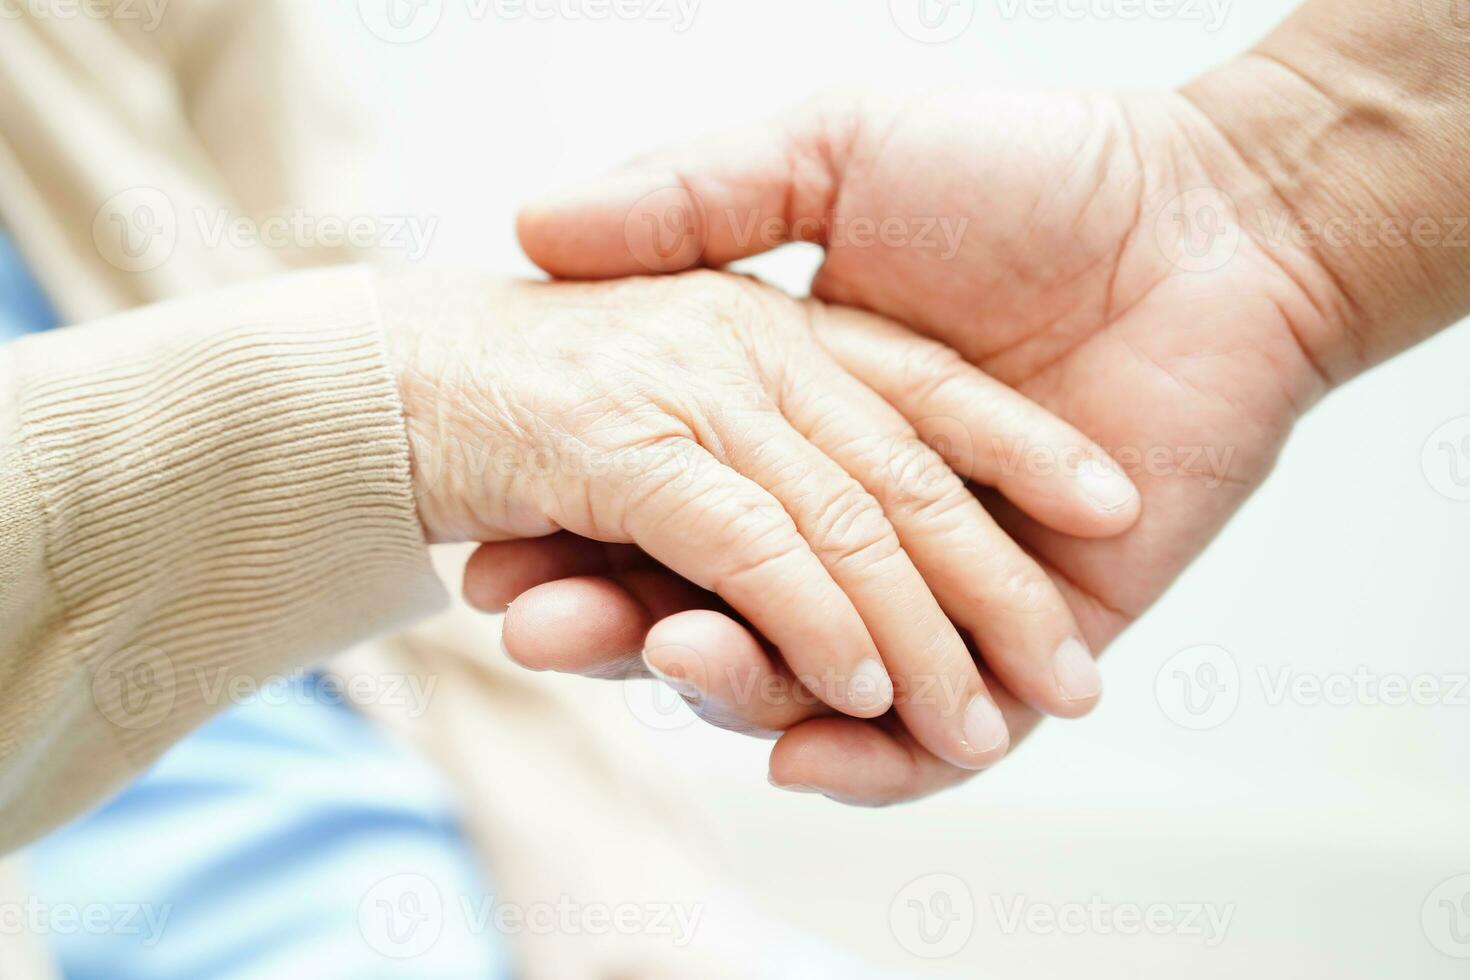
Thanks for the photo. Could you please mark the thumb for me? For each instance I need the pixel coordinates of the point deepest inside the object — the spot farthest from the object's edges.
(709, 203)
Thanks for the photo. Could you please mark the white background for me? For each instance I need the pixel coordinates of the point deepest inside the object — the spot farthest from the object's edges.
(1324, 827)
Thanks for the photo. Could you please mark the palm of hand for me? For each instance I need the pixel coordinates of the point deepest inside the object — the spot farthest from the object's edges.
(1103, 275)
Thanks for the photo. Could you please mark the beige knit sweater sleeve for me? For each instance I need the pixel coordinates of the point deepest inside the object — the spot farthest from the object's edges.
(193, 497)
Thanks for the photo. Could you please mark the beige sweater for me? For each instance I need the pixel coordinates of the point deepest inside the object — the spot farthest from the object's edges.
(217, 489)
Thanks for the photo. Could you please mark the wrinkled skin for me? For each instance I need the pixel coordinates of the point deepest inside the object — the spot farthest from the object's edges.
(1172, 330)
(702, 418)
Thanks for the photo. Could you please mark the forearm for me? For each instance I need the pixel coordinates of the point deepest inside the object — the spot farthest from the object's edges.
(195, 494)
(1357, 113)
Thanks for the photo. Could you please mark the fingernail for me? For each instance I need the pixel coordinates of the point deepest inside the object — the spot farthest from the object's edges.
(791, 787)
(1076, 672)
(681, 686)
(869, 688)
(1105, 485)
(985, 727)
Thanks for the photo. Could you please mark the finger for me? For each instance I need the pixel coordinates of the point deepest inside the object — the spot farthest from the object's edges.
(621, 603)
(859, 763)
(589, 626)
(595, 626)
(723, 198)
(727, 534)
(726, 675)
(500, 571)
(946, 704)
(871, 763)
(987, 431)
(1093, 564)
(982, 579)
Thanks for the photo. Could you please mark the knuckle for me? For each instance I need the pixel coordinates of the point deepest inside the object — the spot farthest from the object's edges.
(921, 481)
(1024, 590)
(936, 506)
(735, 410)
(851, 529)
(708, 279)
(851, 512)
(1015, 435)
(723, 292)
(928, 368)
(758, 537)
(661, 473)
(726, 305)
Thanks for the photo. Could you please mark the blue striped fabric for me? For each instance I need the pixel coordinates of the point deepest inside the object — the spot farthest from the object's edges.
(23, 307)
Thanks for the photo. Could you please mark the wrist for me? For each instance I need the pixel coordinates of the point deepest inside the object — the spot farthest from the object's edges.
(402, 308)
(1358, 162)
(448, 352)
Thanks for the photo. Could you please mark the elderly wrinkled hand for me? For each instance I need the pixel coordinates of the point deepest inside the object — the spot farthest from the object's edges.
(717, 424)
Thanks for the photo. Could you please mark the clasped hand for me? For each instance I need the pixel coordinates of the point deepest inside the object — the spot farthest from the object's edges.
(776, 454)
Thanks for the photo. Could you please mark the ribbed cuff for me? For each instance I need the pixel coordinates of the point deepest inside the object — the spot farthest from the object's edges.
(226, 489)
